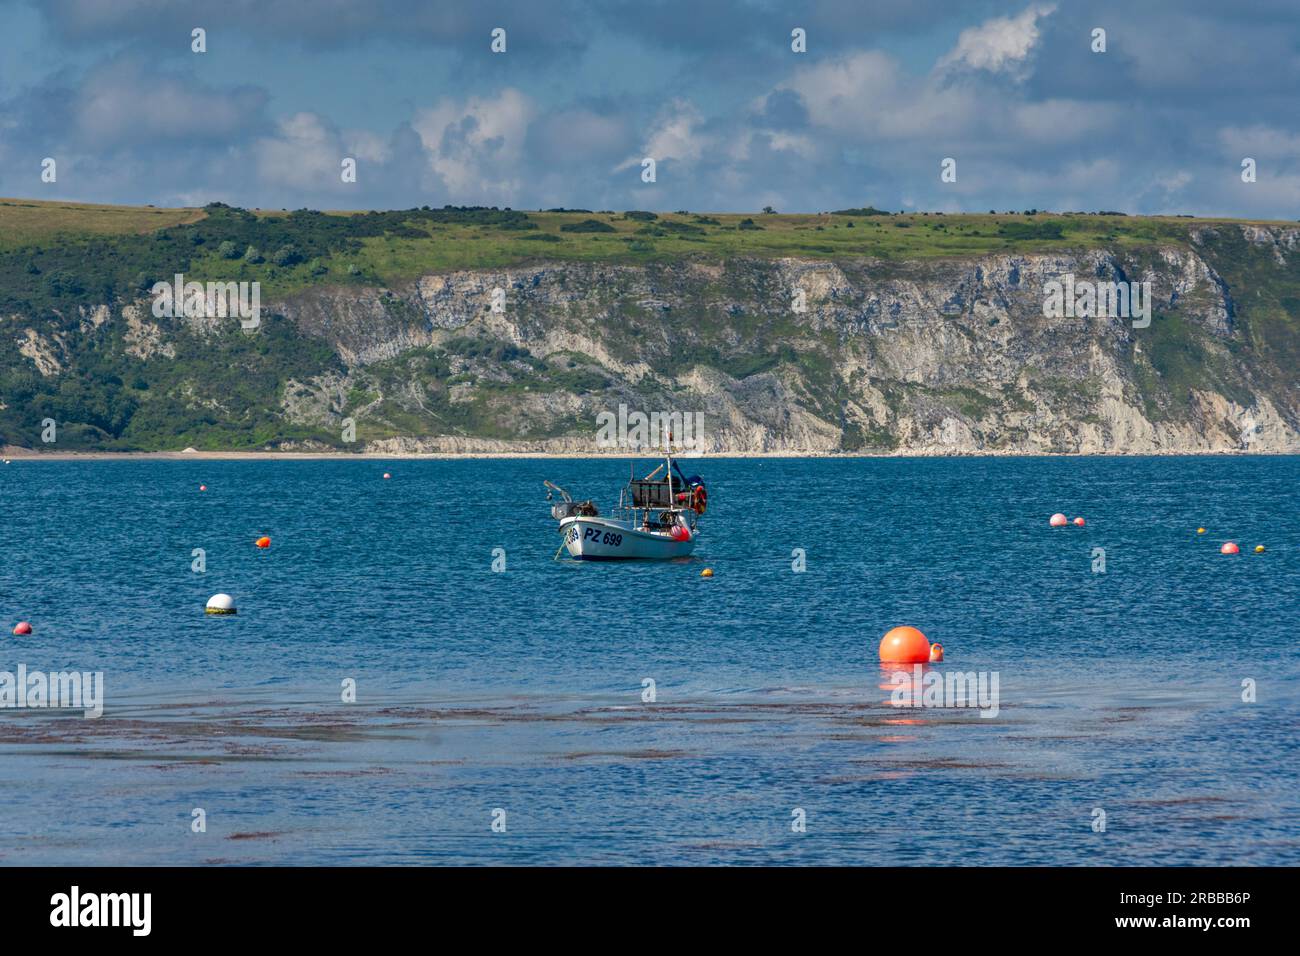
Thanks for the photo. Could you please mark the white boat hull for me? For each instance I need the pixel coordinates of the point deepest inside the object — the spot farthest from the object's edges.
(604, 539)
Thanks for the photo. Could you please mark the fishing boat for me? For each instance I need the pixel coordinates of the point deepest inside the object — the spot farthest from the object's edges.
(656, 518)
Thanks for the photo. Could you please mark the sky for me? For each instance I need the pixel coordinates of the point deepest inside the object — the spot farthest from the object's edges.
(712, 90)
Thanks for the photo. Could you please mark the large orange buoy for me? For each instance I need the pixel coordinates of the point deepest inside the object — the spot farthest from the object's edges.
(1058, 520)
(905, 645)
(936, 653)
(1229, 548)
(263, 542)
(23, 628)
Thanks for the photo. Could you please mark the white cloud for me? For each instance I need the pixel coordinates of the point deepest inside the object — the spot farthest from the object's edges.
(304, 153)
(1259, 140)
(366, 146)
(476, 145)
(122, 102)
(673, 136)
(1174, 182)
(840, 93)
(863, 96)
(1002, 44)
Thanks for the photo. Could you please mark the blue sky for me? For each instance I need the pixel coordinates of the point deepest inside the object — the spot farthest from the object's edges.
(1158, 123)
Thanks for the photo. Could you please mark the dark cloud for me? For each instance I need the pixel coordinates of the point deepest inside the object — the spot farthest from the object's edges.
(312, 23)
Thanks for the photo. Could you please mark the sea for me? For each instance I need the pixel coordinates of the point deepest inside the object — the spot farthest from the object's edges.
(415, 676)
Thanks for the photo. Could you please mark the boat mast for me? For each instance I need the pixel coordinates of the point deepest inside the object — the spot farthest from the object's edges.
(668, 461)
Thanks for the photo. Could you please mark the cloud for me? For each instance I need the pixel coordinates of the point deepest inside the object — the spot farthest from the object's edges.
(475, 145)
(588, 88)
(1174, 182)
(1259, 140)
(304, 151)
(1060, 120)
(1000, 45)
(674, 136)
(844, 92)
(572, 135)
(124, 101)
(865, 96)
(315, 23)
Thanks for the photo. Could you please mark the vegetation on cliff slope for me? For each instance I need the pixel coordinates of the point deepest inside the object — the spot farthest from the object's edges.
(61, 263)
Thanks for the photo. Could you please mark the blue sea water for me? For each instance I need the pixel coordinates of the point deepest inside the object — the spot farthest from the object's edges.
(1120, 692)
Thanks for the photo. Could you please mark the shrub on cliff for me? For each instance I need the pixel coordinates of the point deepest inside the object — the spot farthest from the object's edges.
(587, 225)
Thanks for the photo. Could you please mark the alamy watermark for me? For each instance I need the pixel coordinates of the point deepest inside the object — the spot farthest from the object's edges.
(952, 689)
(54, 690)
(75, 908)
(656, 430)
(196, 300)
(1068, 298)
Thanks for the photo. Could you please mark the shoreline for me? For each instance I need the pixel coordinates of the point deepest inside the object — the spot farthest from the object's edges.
(12, 453)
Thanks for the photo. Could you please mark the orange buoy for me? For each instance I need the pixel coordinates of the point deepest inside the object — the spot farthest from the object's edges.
(203, 487)
(263, 542)
(1079, 522)
(706, 573)
(387, 475)
(936, 653)
(1058, 520)
(1229, 548)
(905, 645)
(23, 628)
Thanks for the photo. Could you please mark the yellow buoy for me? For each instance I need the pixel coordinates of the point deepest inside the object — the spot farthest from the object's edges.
(1200, 531)
(1259, 549)
(706, 573)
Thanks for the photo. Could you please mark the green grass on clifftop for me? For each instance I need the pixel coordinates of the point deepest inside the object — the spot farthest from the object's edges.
(145, 244)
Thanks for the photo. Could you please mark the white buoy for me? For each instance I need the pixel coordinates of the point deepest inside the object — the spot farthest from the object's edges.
(221, 604)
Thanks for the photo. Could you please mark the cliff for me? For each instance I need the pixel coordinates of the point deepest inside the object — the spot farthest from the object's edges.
(934, 354)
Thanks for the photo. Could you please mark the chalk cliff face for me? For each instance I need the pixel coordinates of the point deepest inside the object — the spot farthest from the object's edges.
(921, 357)
(937, 356)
